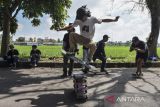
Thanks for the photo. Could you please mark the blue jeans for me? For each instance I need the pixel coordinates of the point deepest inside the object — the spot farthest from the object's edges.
(12, 60)
(65, 65)
(35, 59)
(102, 58)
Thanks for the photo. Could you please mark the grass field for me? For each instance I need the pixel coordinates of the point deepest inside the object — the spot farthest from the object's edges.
(116, 53)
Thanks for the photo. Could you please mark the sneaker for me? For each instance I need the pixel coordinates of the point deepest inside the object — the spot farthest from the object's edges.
(85, 70)
(14, 65)
(69, 73)
(77, 51)
(103, 70)
(35, 65)
(139, 74)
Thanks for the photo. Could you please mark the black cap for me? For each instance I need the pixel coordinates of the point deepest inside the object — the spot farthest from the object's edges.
(11, 46)
(135, 38)
(106, 36)
(34, 46)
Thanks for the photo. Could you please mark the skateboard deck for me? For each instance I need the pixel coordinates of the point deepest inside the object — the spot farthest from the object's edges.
(83, 63)
(80, 61)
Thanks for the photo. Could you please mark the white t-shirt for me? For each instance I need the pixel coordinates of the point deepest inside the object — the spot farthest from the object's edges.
(87, 28)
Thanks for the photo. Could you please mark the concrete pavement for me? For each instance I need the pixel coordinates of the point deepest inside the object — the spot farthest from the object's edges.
(43, 87)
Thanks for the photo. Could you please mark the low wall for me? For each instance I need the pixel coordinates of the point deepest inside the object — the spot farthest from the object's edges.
(76, 65)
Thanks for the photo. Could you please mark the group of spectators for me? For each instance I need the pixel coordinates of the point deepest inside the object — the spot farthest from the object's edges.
(12, 56)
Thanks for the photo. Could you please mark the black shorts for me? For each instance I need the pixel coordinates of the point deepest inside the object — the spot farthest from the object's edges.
(142, 56)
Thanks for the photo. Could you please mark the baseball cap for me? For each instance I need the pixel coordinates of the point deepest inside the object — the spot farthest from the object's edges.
(106, 36)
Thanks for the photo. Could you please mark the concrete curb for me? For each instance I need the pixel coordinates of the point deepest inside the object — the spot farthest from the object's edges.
(76, 65)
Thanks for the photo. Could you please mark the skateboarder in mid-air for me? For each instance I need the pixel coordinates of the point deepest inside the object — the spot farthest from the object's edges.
(141, 54)
(100, 53)
(66, 47)
(87, 30)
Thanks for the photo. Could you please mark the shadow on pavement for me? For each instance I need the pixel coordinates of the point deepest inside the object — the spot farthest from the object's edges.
(13, 78)
(54, 100)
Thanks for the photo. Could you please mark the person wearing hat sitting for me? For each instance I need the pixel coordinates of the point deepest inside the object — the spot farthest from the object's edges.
(35, 55)
(141, 53)
(100, 53)
(12, 56)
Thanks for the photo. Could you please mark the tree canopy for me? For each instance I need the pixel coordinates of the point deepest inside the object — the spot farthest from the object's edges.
(32, 10)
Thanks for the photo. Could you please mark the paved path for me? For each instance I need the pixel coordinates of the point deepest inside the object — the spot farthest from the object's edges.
(42, 87)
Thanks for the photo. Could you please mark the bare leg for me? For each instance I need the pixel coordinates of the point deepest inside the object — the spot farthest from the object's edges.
(75, 39)
(92, 49)
(139, 66)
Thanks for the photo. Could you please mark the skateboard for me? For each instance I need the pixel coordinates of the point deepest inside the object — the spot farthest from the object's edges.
(85, 65)
(72, 56)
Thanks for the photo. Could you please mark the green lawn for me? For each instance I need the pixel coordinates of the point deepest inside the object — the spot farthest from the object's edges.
(116, 53)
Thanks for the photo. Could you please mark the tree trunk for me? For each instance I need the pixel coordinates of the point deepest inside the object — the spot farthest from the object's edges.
(6, 33)
(153, 39)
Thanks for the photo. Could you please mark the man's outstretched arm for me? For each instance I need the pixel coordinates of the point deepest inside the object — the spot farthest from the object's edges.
(65, 28)
(111, 20)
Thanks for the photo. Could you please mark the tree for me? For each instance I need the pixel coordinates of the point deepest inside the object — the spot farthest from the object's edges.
(32, 10)
(58, 40)
(20, 39)
(40, 40)
(154, 9)
(31, 40)
(52, 40)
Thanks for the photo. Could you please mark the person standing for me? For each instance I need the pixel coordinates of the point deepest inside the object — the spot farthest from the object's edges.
(141, 53)
(66, 47)
(100, 53)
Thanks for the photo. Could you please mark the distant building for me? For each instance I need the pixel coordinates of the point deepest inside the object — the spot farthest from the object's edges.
(53, 44)
(26, 43)
(36, 43)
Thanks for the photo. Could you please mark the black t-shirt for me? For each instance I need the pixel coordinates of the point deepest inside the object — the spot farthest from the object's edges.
(37, 51)
(66, 40)
(12, 52)
(100, 48)
(142, 45)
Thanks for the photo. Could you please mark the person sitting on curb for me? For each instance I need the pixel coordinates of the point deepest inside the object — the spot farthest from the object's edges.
(12, 56)
(35, 55)
(141, 53)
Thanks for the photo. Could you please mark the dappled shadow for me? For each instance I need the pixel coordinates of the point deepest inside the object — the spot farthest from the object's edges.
(54, 100)
(118, 86)
(11, 78)
(119, 78)
(147, 80)
(157, 75)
